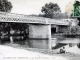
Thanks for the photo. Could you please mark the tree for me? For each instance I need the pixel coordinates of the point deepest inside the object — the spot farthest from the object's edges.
(62, 16)
(5, 6)
(50, 10)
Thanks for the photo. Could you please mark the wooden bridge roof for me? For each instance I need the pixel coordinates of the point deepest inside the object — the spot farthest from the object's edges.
(20, 18)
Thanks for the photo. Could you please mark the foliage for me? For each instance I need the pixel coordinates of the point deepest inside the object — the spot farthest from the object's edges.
(75, 29)
(50, 10)
(5, 6)
(6, 27)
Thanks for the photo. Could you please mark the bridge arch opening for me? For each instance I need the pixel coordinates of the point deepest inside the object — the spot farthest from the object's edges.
(53, 30)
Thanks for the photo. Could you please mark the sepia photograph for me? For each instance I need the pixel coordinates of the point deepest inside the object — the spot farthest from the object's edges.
(39, 29)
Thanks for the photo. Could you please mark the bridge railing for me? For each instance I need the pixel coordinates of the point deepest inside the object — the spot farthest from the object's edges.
(10, 17)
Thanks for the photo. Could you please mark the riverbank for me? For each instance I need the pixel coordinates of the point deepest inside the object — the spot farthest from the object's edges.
(70, 56)
(11, 53)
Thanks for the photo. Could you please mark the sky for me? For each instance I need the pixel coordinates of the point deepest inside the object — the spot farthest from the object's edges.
(29, 7)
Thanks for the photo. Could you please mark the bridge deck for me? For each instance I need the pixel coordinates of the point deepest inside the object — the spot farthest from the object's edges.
(10, 17)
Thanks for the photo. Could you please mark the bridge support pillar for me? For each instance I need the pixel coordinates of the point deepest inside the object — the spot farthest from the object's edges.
(49, 33)
(40, 36)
